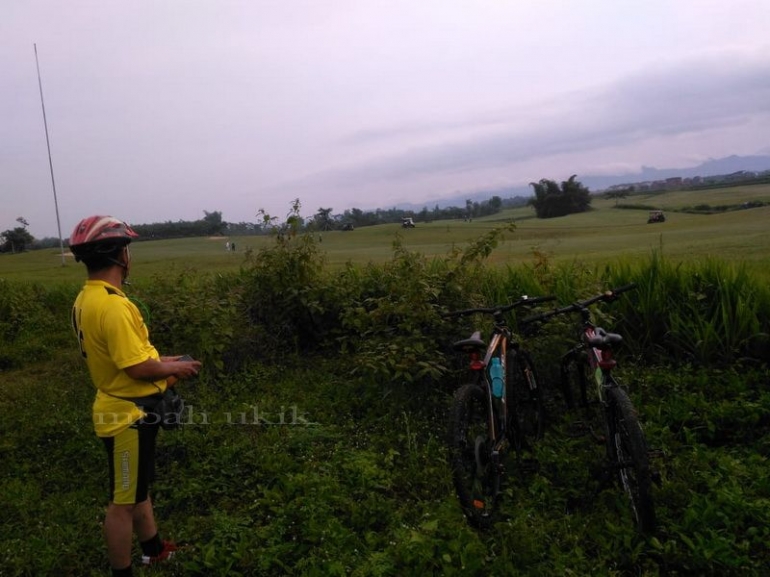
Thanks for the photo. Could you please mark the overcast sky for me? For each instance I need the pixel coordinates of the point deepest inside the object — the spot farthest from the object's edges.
(162, 109)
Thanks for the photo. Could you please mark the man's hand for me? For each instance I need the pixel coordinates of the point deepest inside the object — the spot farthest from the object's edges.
(169, 368)
(186, 369)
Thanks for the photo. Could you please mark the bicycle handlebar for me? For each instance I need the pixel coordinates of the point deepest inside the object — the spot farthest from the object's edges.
(607, 296)
(499, 309)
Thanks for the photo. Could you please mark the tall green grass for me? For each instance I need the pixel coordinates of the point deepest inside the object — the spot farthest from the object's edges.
(350, 370)
(706, 311)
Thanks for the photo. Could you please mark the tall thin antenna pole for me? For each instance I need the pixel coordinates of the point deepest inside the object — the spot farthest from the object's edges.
(50, 162)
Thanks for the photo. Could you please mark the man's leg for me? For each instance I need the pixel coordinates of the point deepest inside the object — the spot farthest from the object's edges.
(131, 465)
(144, 520)
(118, 531)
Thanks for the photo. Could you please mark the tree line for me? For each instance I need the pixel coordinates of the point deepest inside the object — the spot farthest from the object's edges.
(323, 219)
(550, 200)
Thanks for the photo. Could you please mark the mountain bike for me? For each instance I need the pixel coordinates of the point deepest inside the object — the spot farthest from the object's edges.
(500, 407)
(627, 458)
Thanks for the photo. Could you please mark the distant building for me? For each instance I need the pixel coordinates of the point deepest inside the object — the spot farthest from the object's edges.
(679, 183)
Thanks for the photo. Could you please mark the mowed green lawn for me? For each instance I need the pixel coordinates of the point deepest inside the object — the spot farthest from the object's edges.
(605, 234)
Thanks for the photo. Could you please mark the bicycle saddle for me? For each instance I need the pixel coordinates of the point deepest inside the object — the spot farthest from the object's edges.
(472, 343)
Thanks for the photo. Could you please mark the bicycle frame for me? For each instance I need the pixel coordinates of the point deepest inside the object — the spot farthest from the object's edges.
(627, 456)
(499, 346)
(600, 360)
(497, 408)
(594, 340)
(483, 417)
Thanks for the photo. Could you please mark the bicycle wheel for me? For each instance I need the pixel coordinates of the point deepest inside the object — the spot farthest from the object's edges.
(476, 477)
(525, 401)
(627, 450)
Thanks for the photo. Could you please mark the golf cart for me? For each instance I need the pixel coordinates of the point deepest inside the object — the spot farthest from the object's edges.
(656, 216)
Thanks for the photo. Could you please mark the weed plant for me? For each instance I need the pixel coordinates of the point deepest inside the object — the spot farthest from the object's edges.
(314, 442)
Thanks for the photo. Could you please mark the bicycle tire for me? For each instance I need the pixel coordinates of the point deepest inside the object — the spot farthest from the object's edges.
(525, 399)
(476, 478)
(627, 450)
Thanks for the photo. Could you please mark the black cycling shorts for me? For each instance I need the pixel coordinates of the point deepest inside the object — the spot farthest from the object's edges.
(131, 461)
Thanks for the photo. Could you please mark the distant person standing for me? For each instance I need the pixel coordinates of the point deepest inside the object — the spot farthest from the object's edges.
(227, 246)
(124, 367)
(232, 246)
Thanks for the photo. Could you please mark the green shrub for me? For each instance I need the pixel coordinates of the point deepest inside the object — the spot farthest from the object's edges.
(192, 313)
(357, 483)
(34, 322)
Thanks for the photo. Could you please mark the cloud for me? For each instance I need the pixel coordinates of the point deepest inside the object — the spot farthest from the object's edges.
(696, 96)
(161, 110)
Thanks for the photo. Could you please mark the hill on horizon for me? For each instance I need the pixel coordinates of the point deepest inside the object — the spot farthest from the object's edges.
(712, 167)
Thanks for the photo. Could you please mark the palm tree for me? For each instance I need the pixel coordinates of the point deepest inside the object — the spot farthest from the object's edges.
(551, 200)
(323, 219)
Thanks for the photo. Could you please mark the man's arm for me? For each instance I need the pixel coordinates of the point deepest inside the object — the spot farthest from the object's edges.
(155, 370)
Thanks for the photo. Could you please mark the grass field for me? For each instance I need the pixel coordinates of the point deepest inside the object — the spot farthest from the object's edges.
(317, 445)
(606, 233)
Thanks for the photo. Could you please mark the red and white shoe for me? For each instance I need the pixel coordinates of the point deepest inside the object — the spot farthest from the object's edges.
(169, 548)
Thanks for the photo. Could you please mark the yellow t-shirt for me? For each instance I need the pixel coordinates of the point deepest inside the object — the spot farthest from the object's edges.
(113, 336)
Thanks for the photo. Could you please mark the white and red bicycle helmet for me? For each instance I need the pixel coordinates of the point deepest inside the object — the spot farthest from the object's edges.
(99, 235)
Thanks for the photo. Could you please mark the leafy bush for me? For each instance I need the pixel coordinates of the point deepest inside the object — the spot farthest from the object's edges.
(25, 309)
(392, 325)
(323, 452)
(192, 313)
(288, 300)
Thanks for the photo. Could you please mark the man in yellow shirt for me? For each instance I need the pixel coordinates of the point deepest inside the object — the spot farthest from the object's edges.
(125, 369)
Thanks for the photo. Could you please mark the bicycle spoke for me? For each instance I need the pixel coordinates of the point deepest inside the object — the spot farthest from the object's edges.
(475, 476)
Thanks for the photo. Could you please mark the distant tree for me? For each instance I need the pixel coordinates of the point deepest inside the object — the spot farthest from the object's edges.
(551, 200)
(579, 197)
(359, 218)
(46, 242)
(617, 194)
(323, 219)
(16, 240)
(495, 204)
(213, 224)
(242, 228)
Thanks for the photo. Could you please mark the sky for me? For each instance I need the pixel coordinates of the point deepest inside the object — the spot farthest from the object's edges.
(163, 110)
